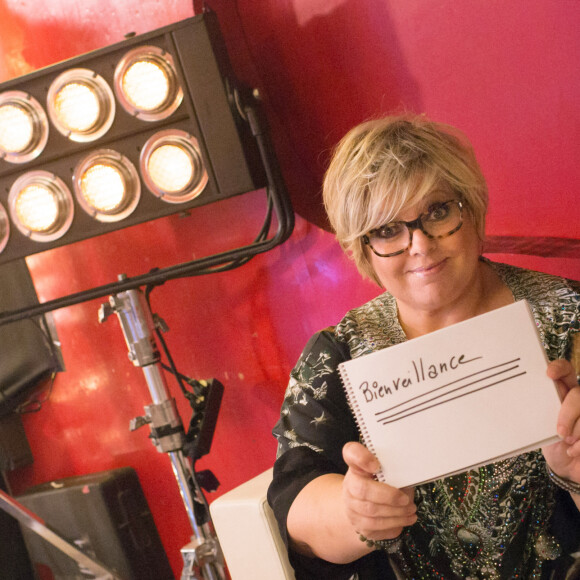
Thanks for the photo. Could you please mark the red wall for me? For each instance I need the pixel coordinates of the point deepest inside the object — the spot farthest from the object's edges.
(506, 73)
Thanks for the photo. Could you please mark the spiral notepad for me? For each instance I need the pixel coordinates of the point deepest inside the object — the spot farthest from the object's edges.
(463, 396)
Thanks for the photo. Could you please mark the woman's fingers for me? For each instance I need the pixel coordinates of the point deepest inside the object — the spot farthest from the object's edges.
(366, 509)
(365, 488)
(564, 457)
(376, 509)
(568, 418)
(360, 482)
(562, 372)
(360, 459)
(380, 519)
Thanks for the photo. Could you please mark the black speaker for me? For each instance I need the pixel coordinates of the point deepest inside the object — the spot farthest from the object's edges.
(14, 561)
(15, 451)
(28, 354)
(106, 515)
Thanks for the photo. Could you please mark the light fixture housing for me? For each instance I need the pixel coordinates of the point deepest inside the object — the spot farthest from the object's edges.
(81, 105)
(41, 206)
(172, 167)
(23, 127)
(224, 138)
(146, 83)
(106, 185)
(199, 107)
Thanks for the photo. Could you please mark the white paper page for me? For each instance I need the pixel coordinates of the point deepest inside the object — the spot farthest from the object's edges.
(462, 396)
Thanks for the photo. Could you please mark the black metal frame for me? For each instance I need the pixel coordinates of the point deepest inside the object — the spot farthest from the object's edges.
(232, 133)
(278, 204)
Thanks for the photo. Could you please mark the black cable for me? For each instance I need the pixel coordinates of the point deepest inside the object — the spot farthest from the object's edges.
(35, 403)
(178, 376)
(260, 237)
(277, 196)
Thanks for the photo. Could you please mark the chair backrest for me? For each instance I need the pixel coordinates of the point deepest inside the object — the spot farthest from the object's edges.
(248, 533)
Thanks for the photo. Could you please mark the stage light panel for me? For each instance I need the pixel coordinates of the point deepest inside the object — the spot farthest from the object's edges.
(106, 185)
(81, 105)
(40, 206)
(162, 104)
(146, 84)
(4, 227)
(172, 167)
(23, 127)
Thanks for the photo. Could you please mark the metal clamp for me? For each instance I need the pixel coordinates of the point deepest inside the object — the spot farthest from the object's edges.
(199, 554)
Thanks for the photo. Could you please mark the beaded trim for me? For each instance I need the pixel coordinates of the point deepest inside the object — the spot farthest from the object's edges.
(565, 484)
(380, 544)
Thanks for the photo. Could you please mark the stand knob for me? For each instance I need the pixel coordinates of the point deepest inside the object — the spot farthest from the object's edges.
(139, 422)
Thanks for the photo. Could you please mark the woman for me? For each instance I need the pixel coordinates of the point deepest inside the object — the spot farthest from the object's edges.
(407, 201)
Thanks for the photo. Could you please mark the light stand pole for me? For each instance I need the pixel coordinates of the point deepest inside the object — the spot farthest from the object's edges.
(125, 300)
(203, 553)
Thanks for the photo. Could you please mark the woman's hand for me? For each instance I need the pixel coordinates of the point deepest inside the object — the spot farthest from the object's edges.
(376, 510)
(564, 456)
(325, 516)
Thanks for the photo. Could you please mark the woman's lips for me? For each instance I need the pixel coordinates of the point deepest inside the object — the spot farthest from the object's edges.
(429, 269)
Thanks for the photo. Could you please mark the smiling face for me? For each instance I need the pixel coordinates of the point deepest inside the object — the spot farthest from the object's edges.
(384, 170)
(433, 276)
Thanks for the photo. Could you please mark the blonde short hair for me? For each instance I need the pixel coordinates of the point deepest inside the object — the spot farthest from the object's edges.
(384, 165)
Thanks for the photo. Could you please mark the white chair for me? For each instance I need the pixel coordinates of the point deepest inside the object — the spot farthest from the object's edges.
(248, 533)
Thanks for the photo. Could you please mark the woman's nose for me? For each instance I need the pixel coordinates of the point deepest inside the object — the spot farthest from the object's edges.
(421, 243)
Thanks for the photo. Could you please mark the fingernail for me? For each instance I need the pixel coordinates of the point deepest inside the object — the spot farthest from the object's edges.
(570, 440)
(403, 500)
(562, 431)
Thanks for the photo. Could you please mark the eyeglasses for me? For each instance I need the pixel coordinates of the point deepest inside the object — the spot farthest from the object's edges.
(441, 220)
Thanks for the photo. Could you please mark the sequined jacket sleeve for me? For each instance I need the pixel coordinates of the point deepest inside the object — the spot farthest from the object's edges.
(314, 425)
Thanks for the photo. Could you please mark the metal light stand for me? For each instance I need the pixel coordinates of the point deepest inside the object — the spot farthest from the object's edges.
(203, 554)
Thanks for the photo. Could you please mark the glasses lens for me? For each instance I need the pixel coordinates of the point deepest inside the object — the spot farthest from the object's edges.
(441, 220)
(389, 239)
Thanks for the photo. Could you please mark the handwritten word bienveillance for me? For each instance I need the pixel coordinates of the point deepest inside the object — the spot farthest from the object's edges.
(416, 375)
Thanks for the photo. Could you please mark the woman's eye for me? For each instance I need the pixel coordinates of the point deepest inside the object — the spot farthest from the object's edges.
(390, 231)
(438, 213)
